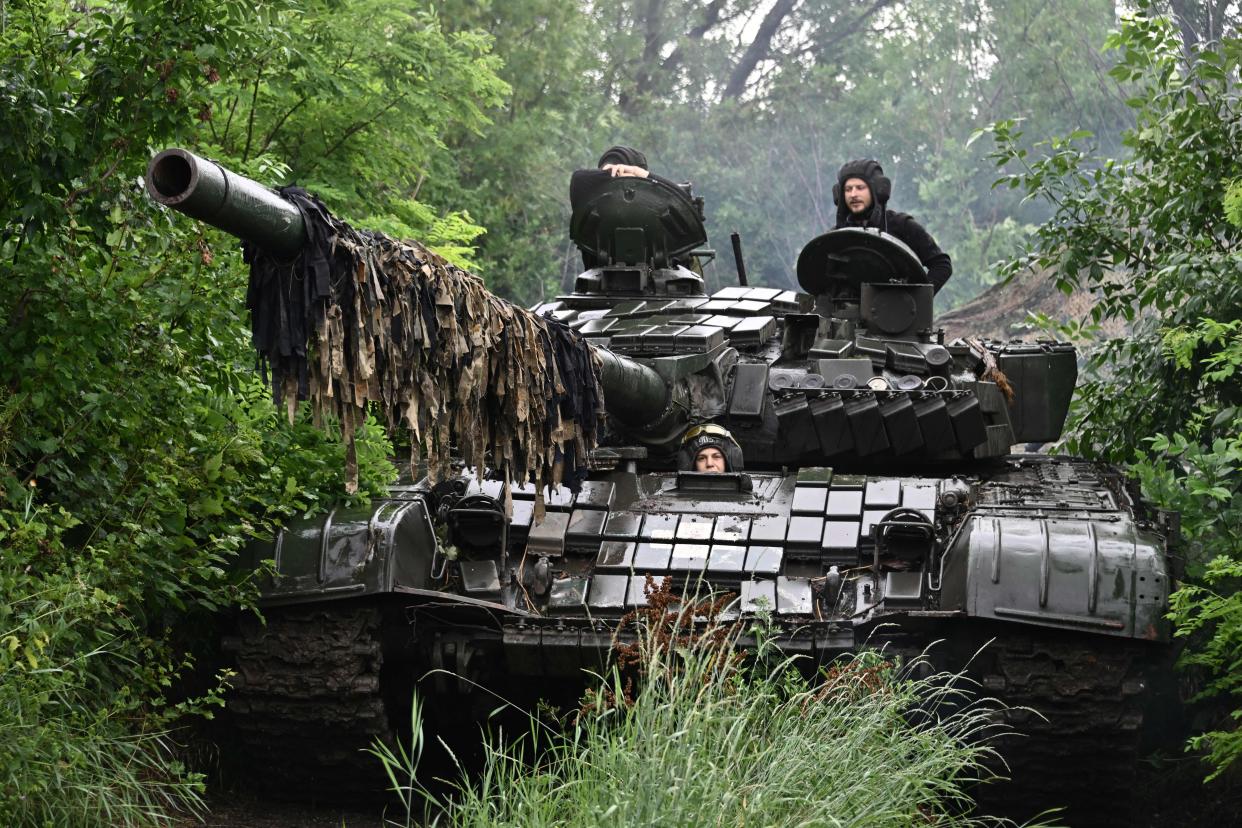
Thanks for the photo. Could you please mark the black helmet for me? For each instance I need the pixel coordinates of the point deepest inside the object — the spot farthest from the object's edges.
(709, 435)
(623, 155)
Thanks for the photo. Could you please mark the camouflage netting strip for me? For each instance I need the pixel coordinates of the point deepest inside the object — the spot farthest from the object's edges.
(358, 318)
(991, 368)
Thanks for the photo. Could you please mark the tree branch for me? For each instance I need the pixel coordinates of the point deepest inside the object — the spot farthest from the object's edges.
(843, 32)
(228, 122)
(267, 141)
(254, 104)
(121, 145)
(758, 49)
(711, 17)
(653, 42)
(358, 127)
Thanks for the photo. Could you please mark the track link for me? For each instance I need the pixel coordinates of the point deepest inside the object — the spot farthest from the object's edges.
(1076, 706)
(307, 701)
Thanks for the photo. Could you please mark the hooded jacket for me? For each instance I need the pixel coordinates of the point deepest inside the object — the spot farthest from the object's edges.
(902, 225)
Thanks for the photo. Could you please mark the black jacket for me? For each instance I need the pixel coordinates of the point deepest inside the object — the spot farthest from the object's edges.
(939, 265)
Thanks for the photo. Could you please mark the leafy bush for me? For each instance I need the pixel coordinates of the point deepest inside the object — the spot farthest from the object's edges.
(138, 447)
(1198, 476)
(1157, 236)
(77, 752)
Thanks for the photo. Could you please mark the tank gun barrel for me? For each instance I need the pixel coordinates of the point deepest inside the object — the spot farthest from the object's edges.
(633, 393)
(205, 190)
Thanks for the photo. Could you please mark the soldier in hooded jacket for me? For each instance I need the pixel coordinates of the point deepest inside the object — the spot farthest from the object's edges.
(861, 195)
(616, 162)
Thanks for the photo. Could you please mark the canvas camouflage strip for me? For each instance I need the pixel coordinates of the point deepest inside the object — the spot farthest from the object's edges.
(359, 320)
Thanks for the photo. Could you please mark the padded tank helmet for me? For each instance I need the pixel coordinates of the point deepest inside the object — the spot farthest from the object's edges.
(709, 435)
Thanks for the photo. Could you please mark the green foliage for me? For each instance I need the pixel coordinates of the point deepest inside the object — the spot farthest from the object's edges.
(1215, 608)
(357, 99)
(78, 750)
(1198, 476)
(1233, 203)
(138, 447)
(1148, 235)
(706, 740)
(512, 177)
(1145, 233)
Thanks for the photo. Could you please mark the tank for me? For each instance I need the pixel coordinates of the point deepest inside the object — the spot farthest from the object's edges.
(880, 504)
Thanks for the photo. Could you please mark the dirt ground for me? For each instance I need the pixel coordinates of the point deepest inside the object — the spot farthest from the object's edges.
(245, 812)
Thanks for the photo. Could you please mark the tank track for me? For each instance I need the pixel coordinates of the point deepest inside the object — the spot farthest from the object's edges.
(1076, 708)
(307, 700)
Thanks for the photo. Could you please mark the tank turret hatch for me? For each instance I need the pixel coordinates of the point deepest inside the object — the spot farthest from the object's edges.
(636, 235)
(853, 256)
(637, 220)
(868, 276)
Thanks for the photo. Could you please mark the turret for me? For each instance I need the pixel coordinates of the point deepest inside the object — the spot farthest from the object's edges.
(638, 236)
(850, 373)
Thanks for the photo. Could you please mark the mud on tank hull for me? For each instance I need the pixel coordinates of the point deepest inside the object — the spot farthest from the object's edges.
(1049, 562)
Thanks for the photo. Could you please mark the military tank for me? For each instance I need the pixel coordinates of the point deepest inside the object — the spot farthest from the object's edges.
(875, 502)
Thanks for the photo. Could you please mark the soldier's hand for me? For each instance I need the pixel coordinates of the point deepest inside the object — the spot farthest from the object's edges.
(625, 171)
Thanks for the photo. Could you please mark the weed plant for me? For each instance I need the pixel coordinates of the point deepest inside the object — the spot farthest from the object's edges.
(688, 730)
(75, 754)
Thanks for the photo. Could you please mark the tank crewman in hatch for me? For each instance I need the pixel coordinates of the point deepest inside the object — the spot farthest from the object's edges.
(709, 448)
(861, 195)
(616, 162)
(621, 162)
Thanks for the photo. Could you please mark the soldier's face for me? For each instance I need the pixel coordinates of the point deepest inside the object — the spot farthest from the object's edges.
(857, 195)
(709, 460)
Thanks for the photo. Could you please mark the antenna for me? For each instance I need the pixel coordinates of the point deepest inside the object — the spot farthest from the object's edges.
(737, 257)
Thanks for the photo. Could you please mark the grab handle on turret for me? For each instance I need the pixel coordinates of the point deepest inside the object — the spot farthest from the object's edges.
(204, 190)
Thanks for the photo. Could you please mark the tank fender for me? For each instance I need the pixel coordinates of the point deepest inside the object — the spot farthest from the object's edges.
(1107, 577)
(352, 552)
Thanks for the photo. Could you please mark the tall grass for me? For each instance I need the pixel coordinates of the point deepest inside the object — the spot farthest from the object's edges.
(73, 754)
(710, 738)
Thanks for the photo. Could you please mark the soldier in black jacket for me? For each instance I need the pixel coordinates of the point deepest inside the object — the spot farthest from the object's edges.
(616, 162)
(861, 195)
(620, 162)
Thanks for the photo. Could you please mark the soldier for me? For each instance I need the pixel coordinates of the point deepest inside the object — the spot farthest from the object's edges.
(861, 195)
(709, 448)
(616, 162)
(624, 162)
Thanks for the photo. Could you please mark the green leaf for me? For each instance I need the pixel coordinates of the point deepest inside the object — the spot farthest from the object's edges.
(211, 467)
(208, 506)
